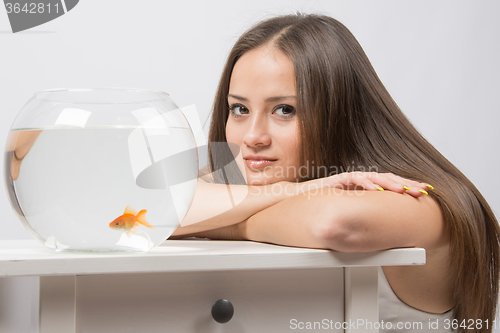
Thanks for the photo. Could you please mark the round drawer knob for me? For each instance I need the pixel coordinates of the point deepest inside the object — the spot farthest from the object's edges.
(222, 311)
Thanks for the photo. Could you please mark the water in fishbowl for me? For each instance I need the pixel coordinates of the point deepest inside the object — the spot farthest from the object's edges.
(101, 188)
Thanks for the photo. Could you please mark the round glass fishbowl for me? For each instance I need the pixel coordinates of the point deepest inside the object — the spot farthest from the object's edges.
(101, 169)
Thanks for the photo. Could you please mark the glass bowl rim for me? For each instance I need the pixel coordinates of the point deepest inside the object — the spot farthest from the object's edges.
(161, 94)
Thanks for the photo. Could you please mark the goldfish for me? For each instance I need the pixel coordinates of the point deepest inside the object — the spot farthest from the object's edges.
(130, 219)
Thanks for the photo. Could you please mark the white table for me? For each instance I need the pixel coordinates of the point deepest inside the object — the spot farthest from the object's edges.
(172, 287)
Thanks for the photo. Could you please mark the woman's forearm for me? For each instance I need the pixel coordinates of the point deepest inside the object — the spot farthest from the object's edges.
(218, 205)
(292, 222)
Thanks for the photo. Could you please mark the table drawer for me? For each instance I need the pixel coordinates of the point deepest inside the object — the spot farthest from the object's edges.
(263, 301)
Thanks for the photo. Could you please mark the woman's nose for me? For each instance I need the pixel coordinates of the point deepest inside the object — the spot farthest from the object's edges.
(257, 133)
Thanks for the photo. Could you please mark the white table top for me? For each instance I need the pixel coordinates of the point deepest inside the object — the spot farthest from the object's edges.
(31, 258)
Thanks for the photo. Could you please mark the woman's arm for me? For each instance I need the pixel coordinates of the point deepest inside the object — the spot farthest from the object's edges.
(217, 205)
(350, 221)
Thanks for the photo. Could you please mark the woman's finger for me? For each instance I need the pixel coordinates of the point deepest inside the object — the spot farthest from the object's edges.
(388, 181)
(373, 181)
(401, 185)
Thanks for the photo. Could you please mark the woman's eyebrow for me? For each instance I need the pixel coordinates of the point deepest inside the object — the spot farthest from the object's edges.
(278, 98)
(269, 99)
(238, 97)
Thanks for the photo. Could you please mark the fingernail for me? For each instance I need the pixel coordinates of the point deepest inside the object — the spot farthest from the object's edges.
(406, 188)
(423, 191)
(380, 188)
(429, 186)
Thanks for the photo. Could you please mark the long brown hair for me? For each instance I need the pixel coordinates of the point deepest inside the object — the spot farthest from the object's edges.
(347, 117)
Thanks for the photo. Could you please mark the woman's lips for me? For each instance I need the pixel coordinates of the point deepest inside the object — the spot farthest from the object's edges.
(258, 164)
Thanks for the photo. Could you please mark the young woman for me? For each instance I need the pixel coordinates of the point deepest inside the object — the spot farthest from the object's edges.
(299, 93)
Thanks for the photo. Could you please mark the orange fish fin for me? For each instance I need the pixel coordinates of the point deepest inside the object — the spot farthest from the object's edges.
(141, 218)
(129, 210)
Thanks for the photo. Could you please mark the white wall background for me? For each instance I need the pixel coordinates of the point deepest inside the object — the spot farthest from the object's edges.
(438, 58)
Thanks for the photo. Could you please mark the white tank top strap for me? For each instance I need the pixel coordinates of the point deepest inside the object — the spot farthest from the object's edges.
(397, 316)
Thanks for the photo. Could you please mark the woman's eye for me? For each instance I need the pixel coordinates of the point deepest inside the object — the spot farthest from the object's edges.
(238, 109)
(285, 111)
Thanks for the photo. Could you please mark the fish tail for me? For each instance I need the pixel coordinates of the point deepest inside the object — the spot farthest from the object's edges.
(141, 218)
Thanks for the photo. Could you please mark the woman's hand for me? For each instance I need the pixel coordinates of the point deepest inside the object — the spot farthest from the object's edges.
(369, 181)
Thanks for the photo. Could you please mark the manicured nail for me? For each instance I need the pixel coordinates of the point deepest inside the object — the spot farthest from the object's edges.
(423, 191)
(380, 188)
(406, 188)
(429, 186)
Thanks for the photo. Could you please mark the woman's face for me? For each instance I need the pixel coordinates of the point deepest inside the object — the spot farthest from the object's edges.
(262, 121)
